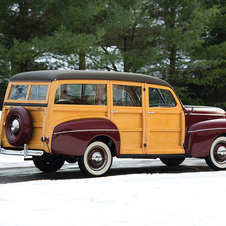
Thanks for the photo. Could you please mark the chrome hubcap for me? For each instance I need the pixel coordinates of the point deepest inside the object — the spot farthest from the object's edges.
(15, 125)
(96, 158)
(221, 152)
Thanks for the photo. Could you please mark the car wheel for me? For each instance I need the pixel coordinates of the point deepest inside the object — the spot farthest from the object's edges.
(172, 161)
(18, 126)
(217, 156)
(48, 164)
(96, 160)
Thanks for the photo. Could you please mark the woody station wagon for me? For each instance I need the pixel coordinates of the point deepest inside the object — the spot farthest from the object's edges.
(92, 116)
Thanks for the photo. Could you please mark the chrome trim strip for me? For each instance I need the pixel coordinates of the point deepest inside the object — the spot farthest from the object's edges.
(87, 130)
(200, 130)
(24, 152)
(208, 114)
(204, 114)
(25, 104)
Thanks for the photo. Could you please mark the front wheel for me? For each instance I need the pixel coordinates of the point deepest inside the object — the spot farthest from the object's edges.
(48, 163)
(217, 156)
(96, 160)
(172, 161)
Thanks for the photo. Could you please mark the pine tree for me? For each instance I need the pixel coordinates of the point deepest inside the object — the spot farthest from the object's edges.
(22, 25)
(209, 60)
(182, 23)
(77, 38)
(128, 44)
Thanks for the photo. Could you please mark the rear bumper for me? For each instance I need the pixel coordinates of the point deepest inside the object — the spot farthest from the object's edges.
(25, 152)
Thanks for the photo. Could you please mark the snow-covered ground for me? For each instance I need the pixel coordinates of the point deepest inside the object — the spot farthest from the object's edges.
(136, 199)
(133, 200)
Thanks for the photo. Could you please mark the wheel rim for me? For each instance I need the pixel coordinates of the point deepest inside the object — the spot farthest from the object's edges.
(97, 158)
(15, 126)
(220, 153)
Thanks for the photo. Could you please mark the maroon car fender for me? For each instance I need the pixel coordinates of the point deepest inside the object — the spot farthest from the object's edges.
(201, 135)
(72, 137)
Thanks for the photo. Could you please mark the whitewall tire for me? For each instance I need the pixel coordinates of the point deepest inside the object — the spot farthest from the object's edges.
(217, 156)
(96, 160)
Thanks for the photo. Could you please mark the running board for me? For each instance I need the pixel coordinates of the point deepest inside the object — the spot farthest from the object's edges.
(144, 156)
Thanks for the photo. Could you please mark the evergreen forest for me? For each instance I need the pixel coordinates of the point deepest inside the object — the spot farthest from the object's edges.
(180, 41)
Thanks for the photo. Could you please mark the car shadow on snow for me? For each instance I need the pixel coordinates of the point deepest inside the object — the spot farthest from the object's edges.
(73, 172)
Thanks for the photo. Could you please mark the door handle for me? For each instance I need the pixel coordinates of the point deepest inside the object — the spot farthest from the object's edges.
(112, 112)
(150, 112)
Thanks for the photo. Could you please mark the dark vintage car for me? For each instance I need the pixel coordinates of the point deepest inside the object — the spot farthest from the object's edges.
(92, 116)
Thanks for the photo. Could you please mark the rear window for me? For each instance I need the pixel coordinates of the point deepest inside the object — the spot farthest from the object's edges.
(18, 92)
(37, 92)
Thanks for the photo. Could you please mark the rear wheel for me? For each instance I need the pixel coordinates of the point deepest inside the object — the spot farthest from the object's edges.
(96, 160)
(48, 163)
(217, 156)
(172, 161)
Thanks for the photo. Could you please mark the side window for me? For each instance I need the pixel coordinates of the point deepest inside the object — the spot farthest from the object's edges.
(161, 98)
(126, 95)
(85, 94)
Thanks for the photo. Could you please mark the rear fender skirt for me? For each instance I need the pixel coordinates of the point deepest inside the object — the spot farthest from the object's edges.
(72, 137)
(201, 135)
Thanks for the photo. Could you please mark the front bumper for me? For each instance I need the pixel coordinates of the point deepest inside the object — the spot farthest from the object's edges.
(25, 152)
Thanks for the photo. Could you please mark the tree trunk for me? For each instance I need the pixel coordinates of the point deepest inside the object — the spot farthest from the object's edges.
(172, 67)
(125, 57)
(82, 60)
(170, 26)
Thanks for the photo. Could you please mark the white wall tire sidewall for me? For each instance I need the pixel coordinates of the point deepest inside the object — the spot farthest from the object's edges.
(218, 140)
(108, 163)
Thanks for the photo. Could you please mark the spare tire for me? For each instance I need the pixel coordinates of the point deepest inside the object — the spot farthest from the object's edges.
(18, 126)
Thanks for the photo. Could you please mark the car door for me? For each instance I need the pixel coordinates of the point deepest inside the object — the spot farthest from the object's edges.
(128, 115)
(165, 121)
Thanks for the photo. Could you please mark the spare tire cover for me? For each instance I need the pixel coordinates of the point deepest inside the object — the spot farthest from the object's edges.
(18, 126)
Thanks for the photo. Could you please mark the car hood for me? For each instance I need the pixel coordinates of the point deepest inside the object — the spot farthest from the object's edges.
(202, 113)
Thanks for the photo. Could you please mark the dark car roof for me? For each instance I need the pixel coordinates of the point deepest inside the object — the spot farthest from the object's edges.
(52, 75)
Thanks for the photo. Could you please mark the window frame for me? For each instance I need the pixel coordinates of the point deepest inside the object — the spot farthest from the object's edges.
(162, 98)
(26, 100)
(139, 100)
(38, 91)
(83, 83)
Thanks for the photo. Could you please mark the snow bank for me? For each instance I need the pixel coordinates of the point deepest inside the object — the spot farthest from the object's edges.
(158, 199)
